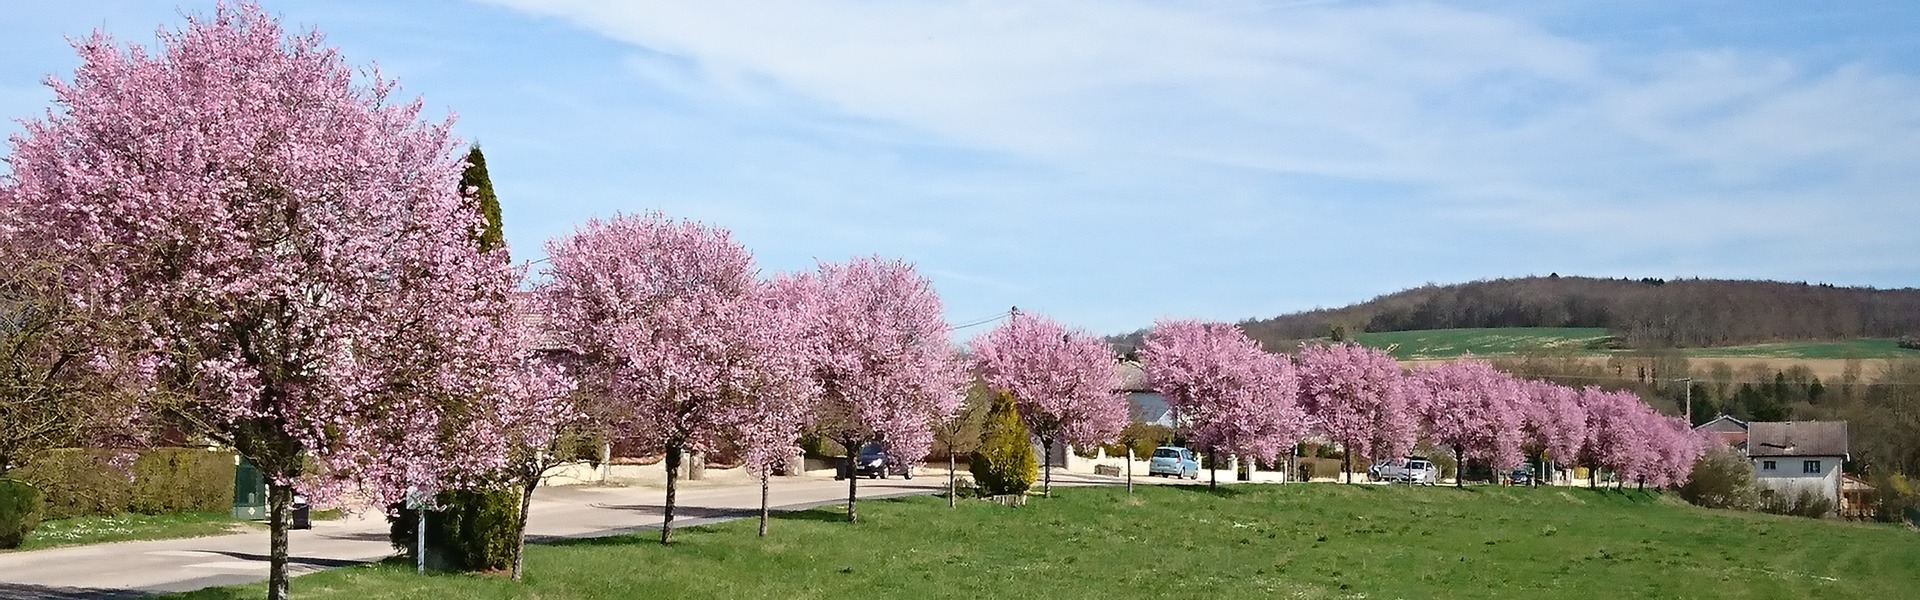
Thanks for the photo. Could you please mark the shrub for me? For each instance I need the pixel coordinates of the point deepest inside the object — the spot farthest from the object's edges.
(81, 481)
(1897, 497)
(21, 506)
(1806, 503)
(1722, 478)
(1005, 463)
(473, 530)
(172, 480)
(1143, 437)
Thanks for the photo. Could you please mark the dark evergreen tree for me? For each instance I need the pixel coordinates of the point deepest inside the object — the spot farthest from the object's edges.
(475, 178)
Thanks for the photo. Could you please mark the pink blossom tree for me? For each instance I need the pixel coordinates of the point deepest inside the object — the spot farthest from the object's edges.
(294, 238)
(1554, 425)
(1610, 431)
(1062, 381)
(1470, 408)
(672, 329)
(880, 358)
(1354, 395)
(1224, 391)
(765, 428)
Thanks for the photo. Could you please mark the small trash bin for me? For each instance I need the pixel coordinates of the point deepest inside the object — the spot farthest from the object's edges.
(302, 513)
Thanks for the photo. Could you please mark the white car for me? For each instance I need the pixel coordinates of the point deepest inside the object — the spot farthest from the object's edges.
(1417, 471)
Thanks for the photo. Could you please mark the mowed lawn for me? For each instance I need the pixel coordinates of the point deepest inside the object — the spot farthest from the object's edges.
(1293, 541)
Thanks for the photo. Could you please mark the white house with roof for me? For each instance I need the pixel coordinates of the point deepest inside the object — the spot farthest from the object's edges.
(1791, 456)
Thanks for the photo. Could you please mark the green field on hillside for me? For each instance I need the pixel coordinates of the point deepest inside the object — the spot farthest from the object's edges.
(1249, 541)
(1451, 343)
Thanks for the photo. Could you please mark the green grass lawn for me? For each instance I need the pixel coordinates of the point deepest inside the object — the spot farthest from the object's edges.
(1451, 343)
(119, 528)
(1296, 541)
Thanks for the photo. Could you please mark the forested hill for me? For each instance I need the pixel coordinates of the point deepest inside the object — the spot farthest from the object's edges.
(1647, 313)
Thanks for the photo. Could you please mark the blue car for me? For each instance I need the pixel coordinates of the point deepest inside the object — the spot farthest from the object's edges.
(1170, 461)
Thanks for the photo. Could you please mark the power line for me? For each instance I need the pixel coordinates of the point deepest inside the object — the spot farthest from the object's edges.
(980, 322)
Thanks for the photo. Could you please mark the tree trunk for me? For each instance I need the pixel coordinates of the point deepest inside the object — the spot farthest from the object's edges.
(520, 527)
(673, 479)
(1346, 461)
(1459, 469)
(279, 499)
(853, 485)
(951, 489)
(1129, 469)
(1046, 485)
(1213, 470)
(763, 501)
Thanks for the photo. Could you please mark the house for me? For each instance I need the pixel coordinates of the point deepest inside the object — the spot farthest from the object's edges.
(1791, 456)
(1726, 429)
(1148, 406)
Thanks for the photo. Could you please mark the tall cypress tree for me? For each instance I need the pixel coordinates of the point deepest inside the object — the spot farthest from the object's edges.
(489, 237)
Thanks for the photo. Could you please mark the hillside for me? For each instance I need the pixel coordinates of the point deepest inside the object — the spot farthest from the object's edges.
(1649, 313)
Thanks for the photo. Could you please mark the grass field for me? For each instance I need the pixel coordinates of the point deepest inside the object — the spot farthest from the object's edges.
(1295, 541)
(119, 528)
(1451, 343)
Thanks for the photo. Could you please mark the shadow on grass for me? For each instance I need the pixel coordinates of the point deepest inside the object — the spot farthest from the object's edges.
(683, 512)
(1223, 491)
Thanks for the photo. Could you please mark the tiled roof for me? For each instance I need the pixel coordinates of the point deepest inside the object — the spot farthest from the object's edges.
(1133, 378)
(1797, 438)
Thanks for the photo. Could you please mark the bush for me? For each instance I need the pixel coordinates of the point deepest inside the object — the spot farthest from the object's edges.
(1897, 497)
(1722, 478)
(21, 506)
(1806, 503)
(79, 482)
(473, 530)
(1144, 437)
(1005, 463)
(174, 480)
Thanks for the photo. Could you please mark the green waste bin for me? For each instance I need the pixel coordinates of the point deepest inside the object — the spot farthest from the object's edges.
(249, 491)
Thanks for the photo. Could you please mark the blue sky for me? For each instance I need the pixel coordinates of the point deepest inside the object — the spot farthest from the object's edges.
(1112, 162)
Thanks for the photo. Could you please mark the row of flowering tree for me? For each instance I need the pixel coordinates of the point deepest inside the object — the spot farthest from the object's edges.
(1229, 396)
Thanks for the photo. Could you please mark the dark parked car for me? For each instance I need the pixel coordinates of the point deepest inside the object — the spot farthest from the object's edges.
(875, 462)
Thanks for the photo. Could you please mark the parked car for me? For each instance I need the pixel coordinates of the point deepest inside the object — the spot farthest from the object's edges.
(1419, 472)
(1386, 470)
(874, 462)
(1173, 461)
(1521, 476)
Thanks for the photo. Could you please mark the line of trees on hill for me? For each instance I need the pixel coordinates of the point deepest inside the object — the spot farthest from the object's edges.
(1641, 313)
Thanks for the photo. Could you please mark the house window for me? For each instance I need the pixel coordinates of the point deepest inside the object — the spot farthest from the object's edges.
(1766, 465)
(1811, 466)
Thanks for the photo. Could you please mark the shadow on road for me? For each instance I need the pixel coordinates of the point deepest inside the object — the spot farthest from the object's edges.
(21, 591)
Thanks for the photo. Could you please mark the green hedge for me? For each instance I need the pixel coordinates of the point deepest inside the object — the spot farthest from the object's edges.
(474, 531)
(80, 482)
(20, 511)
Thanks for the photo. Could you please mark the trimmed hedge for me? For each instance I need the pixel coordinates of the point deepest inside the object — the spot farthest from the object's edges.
(79, 482)
(20, 511)
(474, 531)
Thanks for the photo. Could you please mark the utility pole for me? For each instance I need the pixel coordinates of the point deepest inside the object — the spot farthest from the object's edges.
(1688, 381)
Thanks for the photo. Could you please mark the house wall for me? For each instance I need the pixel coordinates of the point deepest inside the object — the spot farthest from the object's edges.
(1787, 477)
